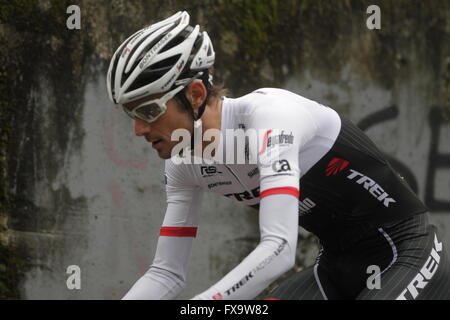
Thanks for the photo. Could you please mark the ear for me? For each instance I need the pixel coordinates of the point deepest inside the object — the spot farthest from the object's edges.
(196, 94)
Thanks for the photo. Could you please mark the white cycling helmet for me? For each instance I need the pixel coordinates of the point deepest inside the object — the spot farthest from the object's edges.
(159, 57)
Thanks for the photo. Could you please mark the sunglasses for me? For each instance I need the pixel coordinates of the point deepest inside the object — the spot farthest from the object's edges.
(150, 111)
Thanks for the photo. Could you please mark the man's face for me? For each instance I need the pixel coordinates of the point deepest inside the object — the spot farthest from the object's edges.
(159, 132)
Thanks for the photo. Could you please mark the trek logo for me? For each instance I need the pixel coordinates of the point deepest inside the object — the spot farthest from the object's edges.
(209, 171)
(335, 166)
(305, 206)
(241, 196)
(281, 166)
(426, 273)
(373, 188)
(241, 283)
(258, 268)
(281, 139)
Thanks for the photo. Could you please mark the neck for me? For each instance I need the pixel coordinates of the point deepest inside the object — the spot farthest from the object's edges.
(211, 119)
(212, 116)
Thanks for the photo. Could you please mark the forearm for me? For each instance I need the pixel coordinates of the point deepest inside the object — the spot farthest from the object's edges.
(156, 284)
(274, 255)
(269, 260)
(166, 277)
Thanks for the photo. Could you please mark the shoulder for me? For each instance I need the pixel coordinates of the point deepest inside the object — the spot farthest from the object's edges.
(179, 174)
(272, 101)
(271, 106)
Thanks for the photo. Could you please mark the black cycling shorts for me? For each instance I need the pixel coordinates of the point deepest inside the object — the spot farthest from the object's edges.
(400, 260)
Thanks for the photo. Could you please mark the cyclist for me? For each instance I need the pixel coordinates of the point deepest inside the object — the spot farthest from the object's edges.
(326, 176)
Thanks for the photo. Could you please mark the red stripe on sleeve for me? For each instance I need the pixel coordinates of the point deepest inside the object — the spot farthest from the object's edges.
(284, 190)
(178, 231)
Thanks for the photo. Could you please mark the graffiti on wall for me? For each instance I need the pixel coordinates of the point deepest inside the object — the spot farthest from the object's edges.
(437, 160)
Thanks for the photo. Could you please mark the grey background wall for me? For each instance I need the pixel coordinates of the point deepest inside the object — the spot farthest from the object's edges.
(77, 188)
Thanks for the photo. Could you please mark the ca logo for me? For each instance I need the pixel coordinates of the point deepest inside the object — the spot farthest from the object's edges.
(281, 166)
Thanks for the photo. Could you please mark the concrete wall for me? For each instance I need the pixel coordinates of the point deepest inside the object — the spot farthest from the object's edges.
(77, 188)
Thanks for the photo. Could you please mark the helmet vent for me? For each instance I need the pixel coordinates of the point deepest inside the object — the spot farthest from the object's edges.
(153, 73)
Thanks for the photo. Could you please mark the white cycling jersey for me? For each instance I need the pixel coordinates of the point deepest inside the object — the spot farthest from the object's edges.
(303, 131)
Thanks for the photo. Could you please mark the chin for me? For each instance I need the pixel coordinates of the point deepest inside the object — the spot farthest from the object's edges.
(165, 157)
(163, 154)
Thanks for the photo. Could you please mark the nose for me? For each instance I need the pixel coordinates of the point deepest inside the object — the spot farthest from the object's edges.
(141, 127)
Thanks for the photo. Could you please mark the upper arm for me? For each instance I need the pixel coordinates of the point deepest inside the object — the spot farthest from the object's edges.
(183, 197)
(284, 127)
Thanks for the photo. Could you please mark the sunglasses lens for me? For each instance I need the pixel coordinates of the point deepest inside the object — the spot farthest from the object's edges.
(149, 111)
(128, 112)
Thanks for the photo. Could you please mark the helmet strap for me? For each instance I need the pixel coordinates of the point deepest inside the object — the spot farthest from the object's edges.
(187, 104)
(195, 116)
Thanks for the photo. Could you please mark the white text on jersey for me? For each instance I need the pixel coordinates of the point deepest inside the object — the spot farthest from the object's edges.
(373, 188)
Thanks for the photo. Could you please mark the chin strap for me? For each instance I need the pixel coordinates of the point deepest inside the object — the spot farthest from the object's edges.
(196, 121)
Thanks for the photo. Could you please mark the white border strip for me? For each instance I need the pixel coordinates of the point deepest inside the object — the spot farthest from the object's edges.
(394, 249)
(316, 275)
